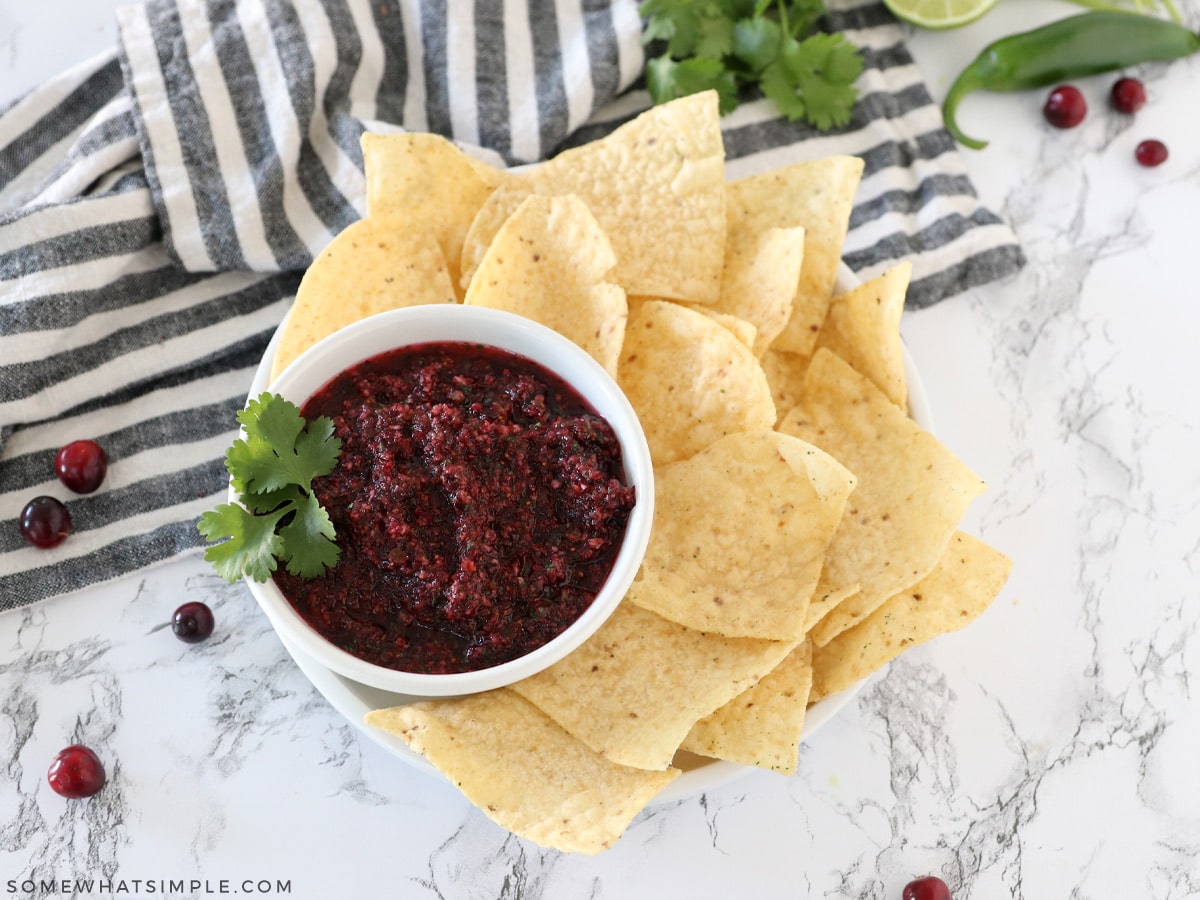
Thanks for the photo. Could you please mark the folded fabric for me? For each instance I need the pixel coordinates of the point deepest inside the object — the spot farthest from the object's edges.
(159, 204)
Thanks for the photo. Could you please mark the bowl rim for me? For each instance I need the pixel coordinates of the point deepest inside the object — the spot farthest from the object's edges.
(414, 325)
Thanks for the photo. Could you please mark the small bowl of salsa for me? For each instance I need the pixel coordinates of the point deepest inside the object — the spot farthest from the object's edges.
(492, 500)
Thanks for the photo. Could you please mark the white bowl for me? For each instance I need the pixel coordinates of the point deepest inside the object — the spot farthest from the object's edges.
(434, 323)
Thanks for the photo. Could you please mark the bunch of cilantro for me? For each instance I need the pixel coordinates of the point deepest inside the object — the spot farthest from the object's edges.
(278, 517)
(724, 44)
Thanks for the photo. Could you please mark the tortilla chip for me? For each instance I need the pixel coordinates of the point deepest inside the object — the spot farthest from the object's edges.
(657, 187)
(965, 581)
(740, 534)
(785, 375)
(634, 689)
(690, 380)
(863, 328)
(548, 263)
(818, 197)
(426, 181)
(825, 600)
(760, 276)
(523, 771)
(373, 265)
(912, 492)
(741, 329)
(761, 726)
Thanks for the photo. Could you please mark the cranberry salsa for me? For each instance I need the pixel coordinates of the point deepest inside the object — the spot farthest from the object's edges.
(479, 503)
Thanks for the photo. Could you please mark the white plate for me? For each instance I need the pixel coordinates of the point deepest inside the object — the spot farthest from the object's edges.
(353, 700)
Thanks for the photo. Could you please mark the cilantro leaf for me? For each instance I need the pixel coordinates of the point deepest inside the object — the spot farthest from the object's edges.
(842, 63)
(715, 38)
(271, 501)
(278, 450)
(778, 84)
(252, 545)
(775, 44)
(278, 517)
(678, 22)
(813, 79)
(802, 16)
(318, 448)
(756, 42)
(308, 545)
(660, 23)
(667, 80)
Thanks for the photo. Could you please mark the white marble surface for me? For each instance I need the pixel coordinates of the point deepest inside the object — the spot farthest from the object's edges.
(1048, 751)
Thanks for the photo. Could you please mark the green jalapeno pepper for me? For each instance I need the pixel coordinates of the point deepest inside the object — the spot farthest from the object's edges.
(1081, 45)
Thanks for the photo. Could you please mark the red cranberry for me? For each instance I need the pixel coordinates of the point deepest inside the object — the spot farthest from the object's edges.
(928, 888)
(76, 772)
(1065, 107)
(44, 522)
(1151, 153)
(193, 622)
(1128, 95)
(81, 466)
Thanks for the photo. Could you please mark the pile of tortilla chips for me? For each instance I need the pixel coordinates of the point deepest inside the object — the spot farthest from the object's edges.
(805, 527)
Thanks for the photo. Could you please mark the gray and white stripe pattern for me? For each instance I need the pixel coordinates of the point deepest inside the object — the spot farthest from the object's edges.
(158, 205)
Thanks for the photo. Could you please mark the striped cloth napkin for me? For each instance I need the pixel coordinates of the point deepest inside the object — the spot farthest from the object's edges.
(159, 204)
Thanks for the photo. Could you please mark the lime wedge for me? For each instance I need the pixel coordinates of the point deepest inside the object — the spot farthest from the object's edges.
(939, 14)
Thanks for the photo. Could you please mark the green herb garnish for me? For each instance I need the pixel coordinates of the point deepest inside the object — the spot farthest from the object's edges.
(723, 44)
(278, 517)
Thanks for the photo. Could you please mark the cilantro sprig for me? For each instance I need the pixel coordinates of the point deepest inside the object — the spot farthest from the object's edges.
(278, 517)
(722, 45)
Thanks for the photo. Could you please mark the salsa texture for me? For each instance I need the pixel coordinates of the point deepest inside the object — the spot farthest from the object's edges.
(479, 503)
